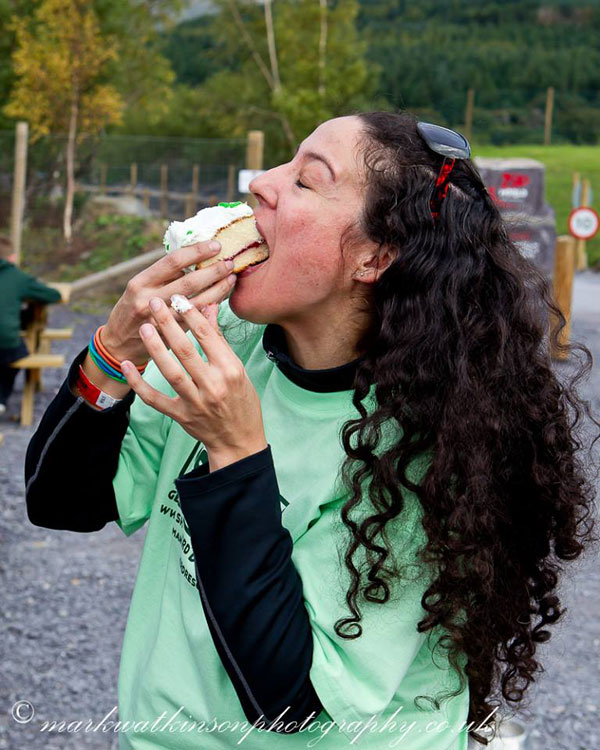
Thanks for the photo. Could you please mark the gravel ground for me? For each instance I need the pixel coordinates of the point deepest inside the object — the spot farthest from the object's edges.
(66, 597)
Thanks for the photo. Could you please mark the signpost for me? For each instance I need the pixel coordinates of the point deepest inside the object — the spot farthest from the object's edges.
(584, 223)
(245, 177)
(254, 162)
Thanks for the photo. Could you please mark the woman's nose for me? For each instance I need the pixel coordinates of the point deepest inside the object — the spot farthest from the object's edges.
(264, 188)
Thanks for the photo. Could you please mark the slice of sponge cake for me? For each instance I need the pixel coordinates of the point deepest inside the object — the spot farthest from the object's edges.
(231, 224)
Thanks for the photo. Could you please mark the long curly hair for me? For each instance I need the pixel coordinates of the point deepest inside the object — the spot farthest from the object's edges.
(459, 347)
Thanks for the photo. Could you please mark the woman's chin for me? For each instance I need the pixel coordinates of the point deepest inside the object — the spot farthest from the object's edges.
(245, 301)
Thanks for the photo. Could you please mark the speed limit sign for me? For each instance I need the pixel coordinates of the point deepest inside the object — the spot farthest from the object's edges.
(584, 223)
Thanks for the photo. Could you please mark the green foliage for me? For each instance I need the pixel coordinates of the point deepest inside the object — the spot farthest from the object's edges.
(193, 50)
(240, 96)
(432, 51)
(8, 9)
(580, 124)
(102, 242)
(428, 53)
(142, 74)
(59, 59)
(419, 54)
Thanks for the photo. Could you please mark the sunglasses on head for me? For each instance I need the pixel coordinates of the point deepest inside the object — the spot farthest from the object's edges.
(452, 146)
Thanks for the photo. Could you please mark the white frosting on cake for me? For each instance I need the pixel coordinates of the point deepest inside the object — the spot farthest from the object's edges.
(203, 226)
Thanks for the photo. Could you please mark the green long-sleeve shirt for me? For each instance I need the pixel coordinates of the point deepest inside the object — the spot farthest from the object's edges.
(17, 286)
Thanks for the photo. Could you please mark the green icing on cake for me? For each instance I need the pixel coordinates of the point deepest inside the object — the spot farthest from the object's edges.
(230, 205)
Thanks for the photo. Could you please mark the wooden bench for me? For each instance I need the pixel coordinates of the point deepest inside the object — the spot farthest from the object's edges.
(52, 334)
(33, 365)
(56, 334)
(45, 338)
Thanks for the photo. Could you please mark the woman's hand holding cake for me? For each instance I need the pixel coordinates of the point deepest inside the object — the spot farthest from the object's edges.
(216, 401)
(164, 279)
(203, 255)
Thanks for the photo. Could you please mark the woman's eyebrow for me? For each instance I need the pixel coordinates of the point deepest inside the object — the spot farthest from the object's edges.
(318, 157)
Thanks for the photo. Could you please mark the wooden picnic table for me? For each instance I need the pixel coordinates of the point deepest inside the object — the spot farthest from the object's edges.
(37, 336)
(36, 316)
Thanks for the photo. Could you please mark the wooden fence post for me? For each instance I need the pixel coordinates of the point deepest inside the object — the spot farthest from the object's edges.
(254, 155)
(564, 270)
(103, 171)
(230, 182)
(18, 192)
(164, 174)
(548, 119)
(146, 197)
(132, 178)
(193, 203)
(469, 114)
(190, 205)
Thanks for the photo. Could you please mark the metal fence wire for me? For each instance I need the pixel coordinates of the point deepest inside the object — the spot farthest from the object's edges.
(174, 177)
(171, 176)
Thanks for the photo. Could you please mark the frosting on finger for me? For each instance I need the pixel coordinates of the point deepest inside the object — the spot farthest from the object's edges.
(180, 304)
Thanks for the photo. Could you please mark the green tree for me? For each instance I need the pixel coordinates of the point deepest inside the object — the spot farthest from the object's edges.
(142, 74)
(291, 66)
(8, 9)
(59, 61)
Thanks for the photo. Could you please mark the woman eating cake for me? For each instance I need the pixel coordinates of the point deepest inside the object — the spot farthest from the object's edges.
(357, 473)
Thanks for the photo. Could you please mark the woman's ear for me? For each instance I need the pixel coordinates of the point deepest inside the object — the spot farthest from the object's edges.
(370, 267)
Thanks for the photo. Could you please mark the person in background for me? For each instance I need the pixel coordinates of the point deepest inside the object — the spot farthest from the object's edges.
(16, 287)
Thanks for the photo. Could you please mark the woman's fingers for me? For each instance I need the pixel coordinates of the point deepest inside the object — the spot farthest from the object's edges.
(211, 313)
(214, 294)
(171, 266)
(169, 367)
(147, 393)
(212, 342)
(180, 344)
(202, 279)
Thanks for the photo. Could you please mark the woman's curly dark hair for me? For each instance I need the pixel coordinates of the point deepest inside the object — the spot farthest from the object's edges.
(460, 351)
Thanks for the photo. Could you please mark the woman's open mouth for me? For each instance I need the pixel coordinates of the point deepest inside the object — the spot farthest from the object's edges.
(251, 269)
(259, 261)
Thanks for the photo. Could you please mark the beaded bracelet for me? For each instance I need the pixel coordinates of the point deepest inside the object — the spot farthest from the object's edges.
(105, 361)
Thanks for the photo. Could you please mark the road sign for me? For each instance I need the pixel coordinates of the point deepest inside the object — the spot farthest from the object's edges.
(584, 223)
(245, 177)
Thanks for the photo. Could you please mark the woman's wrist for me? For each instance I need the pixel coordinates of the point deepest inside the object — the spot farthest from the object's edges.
(103, 381)
(115, 347)
(218, 459)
